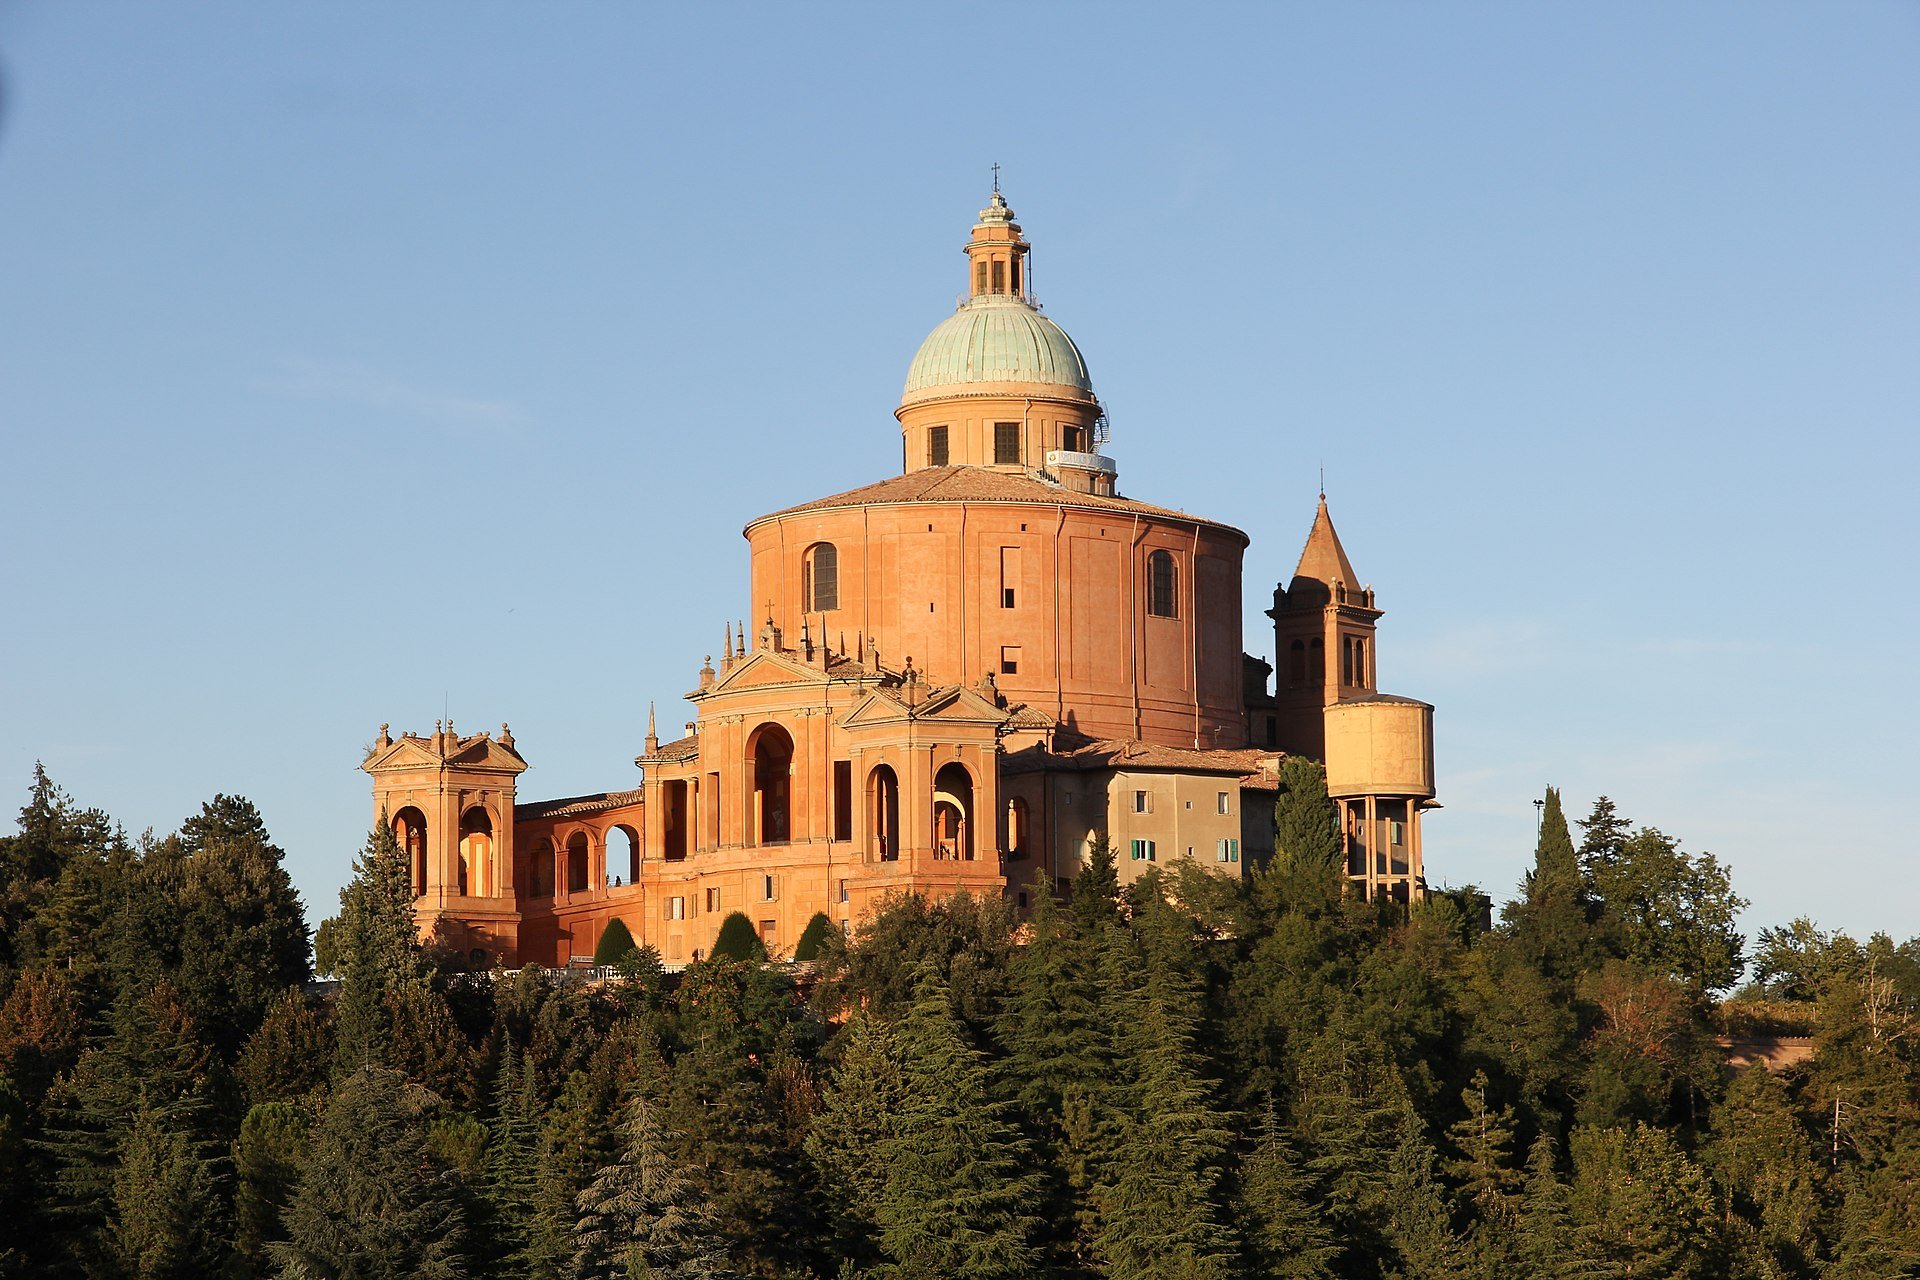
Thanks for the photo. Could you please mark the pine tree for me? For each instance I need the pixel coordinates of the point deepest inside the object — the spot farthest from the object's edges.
(858, 1116)
(1764, 1158)
(1161, 1209)
(512, 1168)
(1482, 1169)
(379, 948)
(288, 1056)
(1640, 1207)
(644, 1215)
(163, 1223)
(1418, 1227)
(243, 937)
(1349, 1107)
(371, 1204)
(1286, 1233)
(957, 1195)
(267, 1159)
(1544, 1234)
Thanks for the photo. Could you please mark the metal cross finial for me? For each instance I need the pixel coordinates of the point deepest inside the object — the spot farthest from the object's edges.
(996, 178)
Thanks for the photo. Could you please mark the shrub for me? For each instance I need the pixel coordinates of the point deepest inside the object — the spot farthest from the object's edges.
(818, 930)
(616, 944)
(738, 940)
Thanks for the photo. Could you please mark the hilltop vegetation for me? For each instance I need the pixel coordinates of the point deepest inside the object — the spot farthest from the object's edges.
(1188, 1079)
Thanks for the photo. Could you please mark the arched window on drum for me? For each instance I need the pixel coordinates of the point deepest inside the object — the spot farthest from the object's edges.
(820, 578)
(1163, 585)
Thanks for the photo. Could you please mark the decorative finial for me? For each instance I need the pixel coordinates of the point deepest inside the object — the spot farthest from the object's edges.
(385, 739)
(653, 735)
(506, 736)
(996, 177)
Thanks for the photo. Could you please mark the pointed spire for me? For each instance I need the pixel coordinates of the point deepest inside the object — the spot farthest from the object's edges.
(1324, 559)
(653, 735)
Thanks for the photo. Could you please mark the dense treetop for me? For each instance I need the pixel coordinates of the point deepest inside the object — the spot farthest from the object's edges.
(1187, 1079)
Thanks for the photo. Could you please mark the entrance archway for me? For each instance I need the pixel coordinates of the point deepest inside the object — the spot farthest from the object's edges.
(770, 802)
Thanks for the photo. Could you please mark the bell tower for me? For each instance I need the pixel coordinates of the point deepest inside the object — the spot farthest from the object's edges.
(449, 800)
(1323, 631)
(1378, 748)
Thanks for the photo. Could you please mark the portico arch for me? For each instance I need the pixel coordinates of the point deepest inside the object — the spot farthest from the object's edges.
(410, 833)
(476, 853)
(883, 814)
(770, 798)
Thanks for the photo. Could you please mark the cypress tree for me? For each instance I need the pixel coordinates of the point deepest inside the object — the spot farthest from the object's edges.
(371, 1203)
(956, 1200)
(1286, 1232)
(379, 949)
(1306, 840)
(1552, 922)
(644, 1215)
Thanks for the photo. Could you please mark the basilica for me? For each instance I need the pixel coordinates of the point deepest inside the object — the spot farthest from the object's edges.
(957, 678)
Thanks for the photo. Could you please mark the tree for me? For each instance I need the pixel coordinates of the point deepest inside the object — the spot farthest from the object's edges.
(644, 1215)
(371, 1204)
(1764, 1158)
(289, 1055)
(1640, 1207)
(738, 940)
(243, 931)
(616, 943)
(1306, 841)
(955, 1202)
(164, 1223)
(1672, 912)
(1286, 1233)
(1482, 1169)
(379, 948)
(267, 1159)
(1544, 1233)
(858, 1116)
(1161, 1208)
(512, 1160)
(813, 938)
(1418, 1226)
(1551, 924)
(968, 939)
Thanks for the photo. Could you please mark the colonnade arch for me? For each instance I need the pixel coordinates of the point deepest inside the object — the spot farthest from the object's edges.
(953, 812)
(410, 833)
(770, 785)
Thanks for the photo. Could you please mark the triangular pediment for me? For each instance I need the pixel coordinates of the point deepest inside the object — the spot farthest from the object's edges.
(479, 753)
(875, 708)
(959, 703)
(764, 669)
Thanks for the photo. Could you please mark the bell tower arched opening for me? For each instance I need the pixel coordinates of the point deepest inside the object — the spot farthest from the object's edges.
(476, 854)
(953, 813)
(410, 833)
(883, 814)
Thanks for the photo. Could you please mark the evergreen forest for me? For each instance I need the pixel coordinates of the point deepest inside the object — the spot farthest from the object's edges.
(1186, 1078)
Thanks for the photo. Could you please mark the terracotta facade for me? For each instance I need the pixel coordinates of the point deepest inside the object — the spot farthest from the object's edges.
(957, 679)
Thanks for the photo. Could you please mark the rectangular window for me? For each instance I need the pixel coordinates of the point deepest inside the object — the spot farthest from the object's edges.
(843, 799)
(676, 908)
(1396, 833)
(1143, 851)
(768, 929)
(1006, 444)
(936, 446)
(713, 901)
(766, 889)
(1223, 803)
(1143, 802)
(1009, 659)
(843, 891)
(1009, 576)
(1227, 851)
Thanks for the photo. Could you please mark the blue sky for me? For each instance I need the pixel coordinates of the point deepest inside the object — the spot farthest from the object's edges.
(357, 361)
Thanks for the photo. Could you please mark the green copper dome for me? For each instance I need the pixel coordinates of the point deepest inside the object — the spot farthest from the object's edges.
(998, 338)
